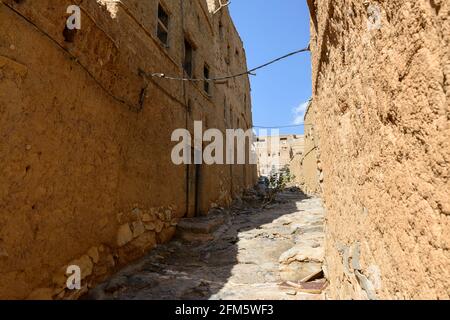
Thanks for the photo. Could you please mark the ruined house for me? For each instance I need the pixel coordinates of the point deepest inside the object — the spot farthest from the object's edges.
(275, 152)
(381, 73)
(86, 173)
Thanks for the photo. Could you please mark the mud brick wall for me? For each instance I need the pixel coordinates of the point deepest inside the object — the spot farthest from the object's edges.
(309, 167)
(382, 100)
(86, 176)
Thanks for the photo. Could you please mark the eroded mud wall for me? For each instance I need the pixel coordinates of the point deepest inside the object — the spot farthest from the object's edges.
(310, 176)
(382, 96)
(85, 167)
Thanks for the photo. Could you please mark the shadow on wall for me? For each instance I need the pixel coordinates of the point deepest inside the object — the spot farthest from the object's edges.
(186, 271)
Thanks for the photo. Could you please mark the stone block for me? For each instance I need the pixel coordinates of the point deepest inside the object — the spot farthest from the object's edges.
(124, 235)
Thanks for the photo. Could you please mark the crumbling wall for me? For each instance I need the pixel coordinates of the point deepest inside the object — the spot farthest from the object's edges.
(310, 174)
(85, 155)
(381, 89)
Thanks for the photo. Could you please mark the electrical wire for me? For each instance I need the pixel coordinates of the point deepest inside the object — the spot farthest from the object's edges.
(216, 79)
(286, 126)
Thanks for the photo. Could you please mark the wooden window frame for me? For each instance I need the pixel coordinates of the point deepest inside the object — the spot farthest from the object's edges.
(160, 25)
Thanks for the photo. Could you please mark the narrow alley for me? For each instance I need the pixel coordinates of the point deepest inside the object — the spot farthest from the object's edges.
(217, 150)
(244, 252)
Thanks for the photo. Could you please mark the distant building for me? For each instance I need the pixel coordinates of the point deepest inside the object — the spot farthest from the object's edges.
(86, 124)
(276, 152)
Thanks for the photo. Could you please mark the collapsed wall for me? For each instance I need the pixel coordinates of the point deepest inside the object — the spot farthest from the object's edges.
(381, 80)
(85, 155)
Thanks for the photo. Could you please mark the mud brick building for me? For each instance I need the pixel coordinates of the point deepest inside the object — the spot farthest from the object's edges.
(276, 152)
(86, 173)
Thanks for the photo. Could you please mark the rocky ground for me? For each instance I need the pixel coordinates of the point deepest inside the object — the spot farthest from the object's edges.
(249, 251)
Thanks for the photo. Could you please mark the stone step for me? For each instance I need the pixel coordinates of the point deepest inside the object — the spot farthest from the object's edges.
(200, 229)
(300, 261)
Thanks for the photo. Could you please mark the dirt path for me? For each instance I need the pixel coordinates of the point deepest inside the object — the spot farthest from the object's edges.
(241, 253)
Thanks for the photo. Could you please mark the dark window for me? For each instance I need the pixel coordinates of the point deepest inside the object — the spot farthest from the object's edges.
(206, 75)
(163, 25)
(221, 29)
(188, 58)
(227, 58)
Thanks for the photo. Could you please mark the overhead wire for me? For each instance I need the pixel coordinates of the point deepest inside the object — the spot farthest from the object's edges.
(222, 78)
(284, 126)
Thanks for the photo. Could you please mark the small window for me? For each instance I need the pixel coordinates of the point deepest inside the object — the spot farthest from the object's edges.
(163, 25)
(228, 56)
(220, 29)
(188, 58)
(206, 75)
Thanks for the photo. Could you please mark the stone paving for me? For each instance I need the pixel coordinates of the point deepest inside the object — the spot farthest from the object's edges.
(244, 252)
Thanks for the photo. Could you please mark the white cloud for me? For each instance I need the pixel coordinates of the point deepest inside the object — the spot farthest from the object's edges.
(299, 113)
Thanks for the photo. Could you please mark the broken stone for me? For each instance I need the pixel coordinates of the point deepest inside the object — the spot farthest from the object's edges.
(59, 279)
(291, 292)
(374, 275)
(207, 224)
(302, 253)
(194, 237)
(366, 285)
(213, 205)
(124, 235)
(146, 218)
(356, 257)
(315, 287)
(138, 228)
(93, 253)
(59, 294)
(167, 215)
(159, 225)
(313, 276)
(299, 262)
(150, 226)
(345, 258)
(145, 241)
(160, 216)
(296, 271)
(166, 235)
(110, 260)
(85, 264)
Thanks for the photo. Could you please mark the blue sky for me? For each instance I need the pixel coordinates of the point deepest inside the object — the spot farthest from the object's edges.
(269, 29)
